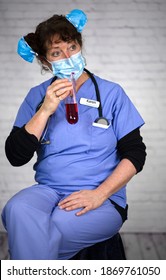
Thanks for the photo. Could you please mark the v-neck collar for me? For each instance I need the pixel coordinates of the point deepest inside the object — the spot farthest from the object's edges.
(86, 90)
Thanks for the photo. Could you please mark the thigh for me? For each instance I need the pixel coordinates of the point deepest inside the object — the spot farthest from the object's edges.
(83, 231)
(39, 197)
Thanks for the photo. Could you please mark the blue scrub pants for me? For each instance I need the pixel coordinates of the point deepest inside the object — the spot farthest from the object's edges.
(38, 230)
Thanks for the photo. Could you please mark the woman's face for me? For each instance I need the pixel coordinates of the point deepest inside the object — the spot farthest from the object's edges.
(60, 49)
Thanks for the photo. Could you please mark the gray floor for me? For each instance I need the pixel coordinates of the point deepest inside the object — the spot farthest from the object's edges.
(145, 246)
(138, 246)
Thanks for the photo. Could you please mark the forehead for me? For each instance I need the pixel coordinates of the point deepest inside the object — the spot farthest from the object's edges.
(58, 45)
(56, 42)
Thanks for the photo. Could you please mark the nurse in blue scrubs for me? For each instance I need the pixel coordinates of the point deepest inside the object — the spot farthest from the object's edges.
(82, 168)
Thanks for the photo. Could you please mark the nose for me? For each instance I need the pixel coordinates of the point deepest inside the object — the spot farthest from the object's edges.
(66, 54)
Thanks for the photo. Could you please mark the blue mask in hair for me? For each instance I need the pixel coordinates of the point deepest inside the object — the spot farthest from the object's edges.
(25, 51)
(64, 67)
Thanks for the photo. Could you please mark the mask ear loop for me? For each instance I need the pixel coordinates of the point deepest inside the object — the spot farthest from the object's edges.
(42, 62)
(45, 68)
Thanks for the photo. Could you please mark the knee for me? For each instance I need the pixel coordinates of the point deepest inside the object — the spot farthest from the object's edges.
(13, 208)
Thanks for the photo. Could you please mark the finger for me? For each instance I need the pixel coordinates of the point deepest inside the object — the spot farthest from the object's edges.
(62, 96)
(64, 201)
(59, 98)
(59, 81)
(71, 203)
(73, 207)
(62, 85)
(56, 87)
(67, 205)
(74, 202)
(83, 211)
(63, 92)
(69, 198)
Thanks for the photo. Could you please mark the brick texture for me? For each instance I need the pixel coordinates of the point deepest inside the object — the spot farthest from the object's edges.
(124, 41)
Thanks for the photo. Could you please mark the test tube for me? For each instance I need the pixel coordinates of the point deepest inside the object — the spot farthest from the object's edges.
(71, 104)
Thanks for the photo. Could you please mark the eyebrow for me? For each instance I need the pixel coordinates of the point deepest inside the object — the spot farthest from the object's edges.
(58, 47)
(53, 49)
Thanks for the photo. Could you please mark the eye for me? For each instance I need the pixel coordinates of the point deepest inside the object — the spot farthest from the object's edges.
(73, 47)
(56, 53)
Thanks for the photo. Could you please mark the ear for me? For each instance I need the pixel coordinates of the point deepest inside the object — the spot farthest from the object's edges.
(46, 65)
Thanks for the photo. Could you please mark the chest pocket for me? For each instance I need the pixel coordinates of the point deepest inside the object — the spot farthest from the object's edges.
(103, 139)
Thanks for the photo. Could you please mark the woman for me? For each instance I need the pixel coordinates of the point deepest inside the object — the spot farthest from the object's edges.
(82, 169)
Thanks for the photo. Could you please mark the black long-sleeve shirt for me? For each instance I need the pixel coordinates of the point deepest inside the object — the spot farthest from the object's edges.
(20, 147)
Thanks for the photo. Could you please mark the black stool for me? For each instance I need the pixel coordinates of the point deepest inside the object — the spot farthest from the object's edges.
(110, 249)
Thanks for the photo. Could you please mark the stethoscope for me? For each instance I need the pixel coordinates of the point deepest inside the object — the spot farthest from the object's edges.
(100, 121)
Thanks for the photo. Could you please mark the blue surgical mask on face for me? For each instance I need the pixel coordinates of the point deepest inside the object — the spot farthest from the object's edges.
(64, 67)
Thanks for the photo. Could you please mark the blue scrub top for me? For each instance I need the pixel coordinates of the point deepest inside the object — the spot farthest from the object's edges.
(82, 156)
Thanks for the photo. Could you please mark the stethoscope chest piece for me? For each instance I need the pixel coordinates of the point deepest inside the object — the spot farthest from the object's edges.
(101, 122)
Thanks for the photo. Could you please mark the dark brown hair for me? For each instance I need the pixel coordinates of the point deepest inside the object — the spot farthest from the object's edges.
(56, 25)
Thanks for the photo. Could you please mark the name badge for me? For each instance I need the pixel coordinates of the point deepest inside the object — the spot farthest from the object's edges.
(89, 102)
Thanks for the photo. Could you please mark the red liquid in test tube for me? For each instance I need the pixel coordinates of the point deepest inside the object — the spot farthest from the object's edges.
(72, 113)
(71, 104)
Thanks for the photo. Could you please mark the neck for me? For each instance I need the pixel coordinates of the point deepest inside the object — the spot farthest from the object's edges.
(81, 80)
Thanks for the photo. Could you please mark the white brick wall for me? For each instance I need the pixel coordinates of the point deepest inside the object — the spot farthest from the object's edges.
(125, 41)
